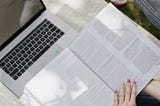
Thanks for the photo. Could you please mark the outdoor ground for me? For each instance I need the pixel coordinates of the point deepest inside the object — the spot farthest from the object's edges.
(131, 10)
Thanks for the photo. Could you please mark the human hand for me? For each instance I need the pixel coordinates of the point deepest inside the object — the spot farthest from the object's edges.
(127, 95)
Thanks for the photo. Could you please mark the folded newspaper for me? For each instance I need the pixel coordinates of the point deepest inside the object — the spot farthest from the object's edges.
(107, 52)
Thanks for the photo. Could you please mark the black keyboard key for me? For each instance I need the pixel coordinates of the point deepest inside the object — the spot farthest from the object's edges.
(42, 39)
(58, 36)
(33, 42)
(58, 30)
(40, 47)
(49, 33)
(13, 53)
(19, 74)
(17, 50)
(35, 45)
(28, 40)
(5, 68)
(10, 56)
(35, 34)
(38, 31)
(36, 39)
(46, 29)
(45, 36)
(14, 72)
(23, 63)
(51, 43)
(14, 65)
(19, 54)
(44, 43)
(24, 44)
(21, 59)
(20, 66)
(41, 53)
(22, 70)
(12, 61)
(40, 35)
(29, 52)
(25, 55)
(29, 45)
(51, 37)
(7, 71)
(47, 40)
(18, 62)
(15, 58)
(8, 65)
(6, 60)
(20, 47)
(54, 34)
(15, 77)
(2, 64)
(26, 48)
(34, 53)
(61, 33)
(41, 28)
(43, 33)
(26, 60)
(10, 69)
(22, 51)
(30, 63)
(39, 42)
(32, 48)
(30, 56)
(26, 67)
(55, 39)
(44, 25)
(54, 28)
(31, 37)
(37, 50)
(50, 26)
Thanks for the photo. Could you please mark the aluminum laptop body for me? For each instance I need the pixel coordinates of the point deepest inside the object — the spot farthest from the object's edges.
(31, 47)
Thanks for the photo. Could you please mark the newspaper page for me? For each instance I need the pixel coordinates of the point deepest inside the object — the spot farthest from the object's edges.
(116, 50)
(67, 81)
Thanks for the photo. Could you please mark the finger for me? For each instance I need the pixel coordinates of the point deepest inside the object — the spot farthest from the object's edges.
(116, 98)
(121, 94)
(134, 92)
(128, 91)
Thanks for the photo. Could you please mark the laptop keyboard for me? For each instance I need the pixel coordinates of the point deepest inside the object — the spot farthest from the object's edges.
(24, 54)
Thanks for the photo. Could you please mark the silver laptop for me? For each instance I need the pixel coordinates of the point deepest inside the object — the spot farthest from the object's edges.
(31, 36)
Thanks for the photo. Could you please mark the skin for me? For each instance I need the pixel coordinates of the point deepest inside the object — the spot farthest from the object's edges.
(153, 89)
(127, 95)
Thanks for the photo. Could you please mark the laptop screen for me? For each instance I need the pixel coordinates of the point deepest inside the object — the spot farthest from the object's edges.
(15, 14)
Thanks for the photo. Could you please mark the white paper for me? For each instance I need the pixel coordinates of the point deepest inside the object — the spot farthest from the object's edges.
(67, 81)
(117, 50)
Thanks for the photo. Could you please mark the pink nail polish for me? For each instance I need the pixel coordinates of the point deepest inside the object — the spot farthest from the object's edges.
(116, 91)
(134, 82)
(128, 80)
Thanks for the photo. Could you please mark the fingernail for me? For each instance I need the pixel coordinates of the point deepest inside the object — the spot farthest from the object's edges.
(128, 80)
(116, 91)
(134, 82)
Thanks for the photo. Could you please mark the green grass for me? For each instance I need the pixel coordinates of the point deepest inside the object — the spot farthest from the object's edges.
(132, 11)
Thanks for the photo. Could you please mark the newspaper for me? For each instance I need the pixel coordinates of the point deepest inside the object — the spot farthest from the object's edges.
(116, 50)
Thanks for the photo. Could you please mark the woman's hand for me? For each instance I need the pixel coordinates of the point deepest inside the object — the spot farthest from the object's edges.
(127, 95)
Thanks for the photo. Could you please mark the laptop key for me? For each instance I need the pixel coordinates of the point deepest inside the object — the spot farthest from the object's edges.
(39, 54)
(15, 77)
(14, 72)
